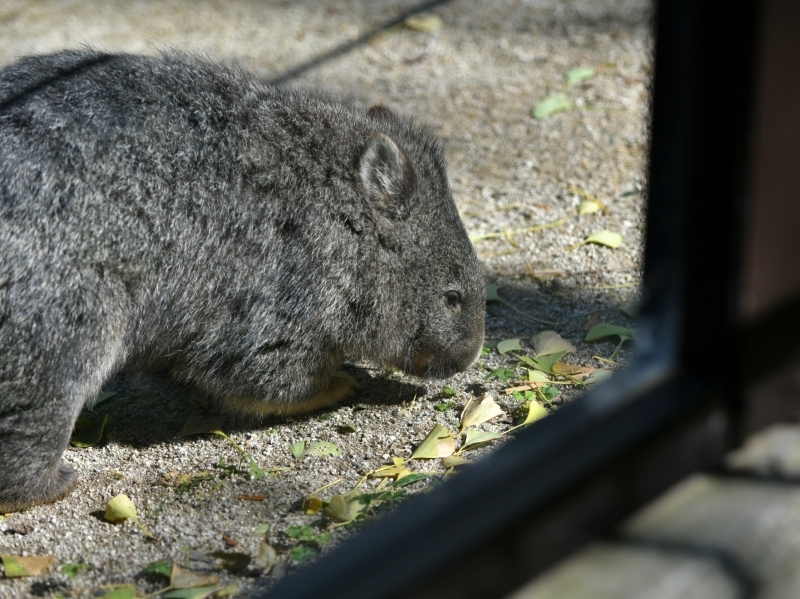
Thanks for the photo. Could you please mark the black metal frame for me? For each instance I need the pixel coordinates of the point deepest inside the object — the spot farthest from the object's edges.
(575, 475)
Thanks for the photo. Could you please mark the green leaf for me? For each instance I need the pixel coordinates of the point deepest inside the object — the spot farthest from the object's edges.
(550, 342)
(321, 449)
(127, 591)
(485, 351)
(537, 376)
(347, 428)
(580, 74)
(606, 238)
(88, 432)
(438, 444)
(491, 293)
(449, 392)
(602, 330)
(501, 374)
(71, 570)
(196, 425)
(301, 553)
(410, 479)
(191, 593)
(508, 345)
(161, 568)
(631, 309)
(262, 528)
(475, 439)
(298, 449)
(550, 392)
(443, 406)
(550, 105)
(598, 376)
(529, 396)
(326, 416)
(543, 363)
(255, 470)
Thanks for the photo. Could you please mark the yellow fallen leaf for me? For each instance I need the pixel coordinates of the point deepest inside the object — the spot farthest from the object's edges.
(120, 508)
(536, 411)
(438, 444)
(454, 461)
(424, 22)
(480, 410)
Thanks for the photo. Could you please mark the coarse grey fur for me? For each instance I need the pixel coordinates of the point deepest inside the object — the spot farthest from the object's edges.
(172, 212)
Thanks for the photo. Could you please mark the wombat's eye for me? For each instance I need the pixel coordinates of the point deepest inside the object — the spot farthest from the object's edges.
(452, 299)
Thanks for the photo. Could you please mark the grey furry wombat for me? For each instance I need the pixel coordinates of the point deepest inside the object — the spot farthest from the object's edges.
(173, 212)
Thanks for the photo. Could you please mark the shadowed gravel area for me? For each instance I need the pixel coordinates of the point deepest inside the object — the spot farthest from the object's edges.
(474, 82)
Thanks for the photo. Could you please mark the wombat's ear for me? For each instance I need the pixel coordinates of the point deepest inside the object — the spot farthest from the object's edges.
(387, 175)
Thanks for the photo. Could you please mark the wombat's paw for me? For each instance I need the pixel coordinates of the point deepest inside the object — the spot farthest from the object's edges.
(340, 387)
(17, 496)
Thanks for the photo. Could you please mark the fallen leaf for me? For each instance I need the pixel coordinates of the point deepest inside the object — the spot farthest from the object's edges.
(598, 376)
(389, 472)
(181, 578)
(196, 425)
(410, 479)
(580, 74)
(312, 505)
(191, 593)
(17, 566)
(631, 309)
(478, 411)
(589, 207)
(120, 508)
(88, 432)
(266, 558)
(229, 590)
(344, 508)
(298, 449)
(229, 540)
(162, 568)
(604, 237)
(550, 342)
(537, 376)
(602, 331)
(126, 591)
(438, 444)
(424, 22)
(578, 372)
(543, 363)
(503, 347)
(322, 449)
(262, 528)
(536, 411)
(454, 461)
(72, 570)
(550, 105)
(475, 439)
(232, 561)
(101, 397)
(595, 319)
(347, 428)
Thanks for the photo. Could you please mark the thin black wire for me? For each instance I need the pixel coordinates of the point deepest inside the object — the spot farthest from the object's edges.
(346, 47)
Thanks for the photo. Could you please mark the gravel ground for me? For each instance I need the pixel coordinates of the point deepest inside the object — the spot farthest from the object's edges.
(474, 82)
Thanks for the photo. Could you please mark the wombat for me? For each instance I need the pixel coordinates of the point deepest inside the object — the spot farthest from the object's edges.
(172, 212)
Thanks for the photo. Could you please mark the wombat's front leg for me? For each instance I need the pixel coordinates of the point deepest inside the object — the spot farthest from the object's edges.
(33, 437)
